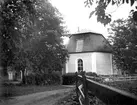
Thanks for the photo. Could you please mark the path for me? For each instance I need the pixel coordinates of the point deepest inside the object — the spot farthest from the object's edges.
(41, 98)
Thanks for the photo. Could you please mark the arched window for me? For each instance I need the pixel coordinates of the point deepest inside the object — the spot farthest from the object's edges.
(80, 65)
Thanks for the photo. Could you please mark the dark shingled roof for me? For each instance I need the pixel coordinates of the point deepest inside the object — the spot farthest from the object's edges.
(92, 42)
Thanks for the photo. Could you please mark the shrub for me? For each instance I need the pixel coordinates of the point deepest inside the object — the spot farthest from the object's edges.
(43, 79)
(92, 74)
(7, 90)
(69, 79)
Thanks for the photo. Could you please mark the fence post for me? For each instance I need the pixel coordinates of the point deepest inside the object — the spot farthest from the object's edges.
(77, 85)
(85, 86)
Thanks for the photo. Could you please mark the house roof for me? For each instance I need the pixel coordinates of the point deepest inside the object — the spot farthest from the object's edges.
(92, 42)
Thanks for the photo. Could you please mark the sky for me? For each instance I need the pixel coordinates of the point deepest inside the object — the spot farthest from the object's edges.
(75, 15)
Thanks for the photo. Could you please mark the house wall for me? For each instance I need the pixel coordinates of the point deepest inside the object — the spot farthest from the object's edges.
(100, 63)
(71, 65)
(104, 63)
(10, 75)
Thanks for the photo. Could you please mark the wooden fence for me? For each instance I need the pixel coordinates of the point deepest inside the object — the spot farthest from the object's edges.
(107, 94)
(82, 89)
(119, 78)
(127, 78)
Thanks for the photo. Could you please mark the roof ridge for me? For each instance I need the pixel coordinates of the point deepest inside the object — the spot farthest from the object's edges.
(95, 33)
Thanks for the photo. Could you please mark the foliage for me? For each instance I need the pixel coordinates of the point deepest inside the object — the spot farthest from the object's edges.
(14, 21)
(30, 34)
(124, 43)
(91, 74)
(7, 91)
(43, 79)
(100, 10)
(48, 58)
(69, 78)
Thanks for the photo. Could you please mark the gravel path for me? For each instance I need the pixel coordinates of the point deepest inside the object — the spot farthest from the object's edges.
(41, 98)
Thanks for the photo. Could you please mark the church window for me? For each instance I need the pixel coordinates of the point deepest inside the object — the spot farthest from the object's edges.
(80, 65)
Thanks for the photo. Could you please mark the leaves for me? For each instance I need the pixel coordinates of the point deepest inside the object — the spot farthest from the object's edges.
(123, 1)
(132, 2)
(113, 2)
(109, 1)
(31, 33)
(100, 9)
(91, 14)
(127, 1)
(135, 16)
(124, 44)
(88, 3)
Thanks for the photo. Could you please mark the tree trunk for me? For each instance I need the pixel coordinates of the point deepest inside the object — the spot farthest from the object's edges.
(23, 77)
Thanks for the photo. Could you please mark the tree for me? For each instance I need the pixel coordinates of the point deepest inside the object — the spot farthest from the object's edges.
(26, 26)
(48, 57)
(124, 43)
(100, 10)
(14, 15)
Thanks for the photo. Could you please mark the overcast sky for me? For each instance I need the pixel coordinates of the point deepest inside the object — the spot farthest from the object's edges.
(76, 15)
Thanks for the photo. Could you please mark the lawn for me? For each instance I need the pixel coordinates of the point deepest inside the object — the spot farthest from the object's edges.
(24, 90)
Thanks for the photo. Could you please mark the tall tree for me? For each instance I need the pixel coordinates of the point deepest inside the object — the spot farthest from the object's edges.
(15, 16)
(24, 25)
(101, 6)
(124, 43)
(48, 57)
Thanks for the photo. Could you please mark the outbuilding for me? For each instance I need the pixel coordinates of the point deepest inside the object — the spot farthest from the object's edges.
(89, 52)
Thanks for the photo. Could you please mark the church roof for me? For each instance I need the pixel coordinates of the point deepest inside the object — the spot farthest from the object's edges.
(88, 42)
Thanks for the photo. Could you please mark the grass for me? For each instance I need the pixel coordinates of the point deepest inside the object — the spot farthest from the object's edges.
(25, 90)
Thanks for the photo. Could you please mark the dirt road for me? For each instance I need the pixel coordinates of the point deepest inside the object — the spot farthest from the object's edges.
(42, 98)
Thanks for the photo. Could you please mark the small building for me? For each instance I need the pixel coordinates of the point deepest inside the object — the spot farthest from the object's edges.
(89, 52)
(14, 75)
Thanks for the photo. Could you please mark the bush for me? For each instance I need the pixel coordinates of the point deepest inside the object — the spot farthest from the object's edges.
(43, 79)
(69, 79)
(7, 90)
(92, 74)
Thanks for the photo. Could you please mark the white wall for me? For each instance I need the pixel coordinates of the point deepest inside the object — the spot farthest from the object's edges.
(71, 65)
(10, 75)
(94, 66)
(101, 63)
(104, 63)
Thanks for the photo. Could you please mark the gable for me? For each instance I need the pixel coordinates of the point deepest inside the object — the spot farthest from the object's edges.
(88, 42)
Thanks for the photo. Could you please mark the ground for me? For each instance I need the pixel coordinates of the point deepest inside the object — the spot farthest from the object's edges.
(50, 97)
(24, 90)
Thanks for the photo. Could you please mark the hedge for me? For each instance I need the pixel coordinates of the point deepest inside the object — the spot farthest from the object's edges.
(68, 79)
(92, 74)
(43, 79)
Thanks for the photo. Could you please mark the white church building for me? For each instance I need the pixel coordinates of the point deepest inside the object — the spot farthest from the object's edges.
(89, 52)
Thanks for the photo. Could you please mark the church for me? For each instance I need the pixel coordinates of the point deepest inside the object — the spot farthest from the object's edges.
(90, 52)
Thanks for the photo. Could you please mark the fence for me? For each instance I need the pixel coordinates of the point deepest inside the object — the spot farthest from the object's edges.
(127, 78)
(119, 78)
(82, 89)
(109, 95)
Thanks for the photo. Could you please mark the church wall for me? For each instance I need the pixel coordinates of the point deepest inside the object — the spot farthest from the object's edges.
(104, 63)
(71, 65)
(100, 63)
